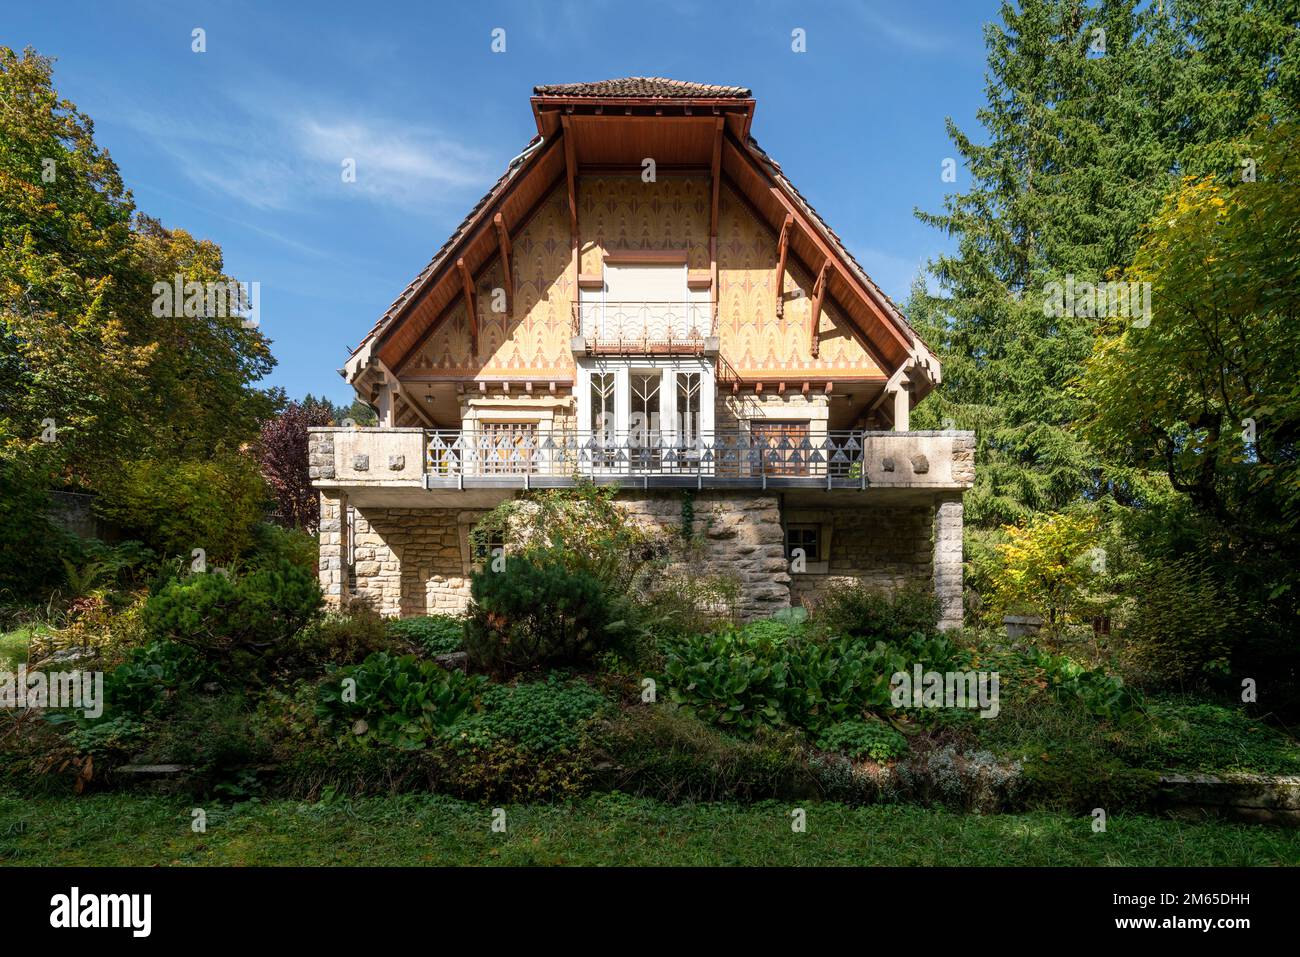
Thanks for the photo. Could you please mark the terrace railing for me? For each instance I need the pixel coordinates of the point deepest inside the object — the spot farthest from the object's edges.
(644, 327)
(722, 454)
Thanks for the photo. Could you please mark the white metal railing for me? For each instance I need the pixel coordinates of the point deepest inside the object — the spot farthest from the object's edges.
(732, 453)
(643, 325)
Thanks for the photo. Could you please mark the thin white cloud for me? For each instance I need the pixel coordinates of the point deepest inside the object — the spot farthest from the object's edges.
(919, 40)
(249, 152)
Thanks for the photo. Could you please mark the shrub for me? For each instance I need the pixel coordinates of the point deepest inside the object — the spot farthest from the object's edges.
(537, 611)
(1178, 629)
(540, 716)
(215, 737)
(857, 611)
(272, 543)
(664, 752)
(31, 560)
(348, 638)
(769, 674)
(402, 702)
(432, 634)
(150, 677)
(235, 621)
(179, 505)
(582, 528)
(859, 739)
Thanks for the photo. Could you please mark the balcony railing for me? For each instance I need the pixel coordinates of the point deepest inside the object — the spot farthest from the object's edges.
(641, 327)
(731, 454)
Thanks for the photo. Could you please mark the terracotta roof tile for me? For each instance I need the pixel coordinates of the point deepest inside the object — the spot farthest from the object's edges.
(644, 86)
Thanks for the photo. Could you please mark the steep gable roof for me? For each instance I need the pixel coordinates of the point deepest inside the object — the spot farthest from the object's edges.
(537, 160)
(655, 87)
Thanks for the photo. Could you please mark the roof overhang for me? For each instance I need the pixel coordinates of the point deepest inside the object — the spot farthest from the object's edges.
(614, 132)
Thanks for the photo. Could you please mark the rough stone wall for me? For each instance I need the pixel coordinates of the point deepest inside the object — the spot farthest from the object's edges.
(949, 518)
(416, 561)
(882, 546)
(320, 455)
(741, 536)
(413, 561)
(332, 547)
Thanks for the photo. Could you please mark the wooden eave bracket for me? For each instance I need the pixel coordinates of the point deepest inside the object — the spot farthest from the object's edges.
(503, 242)
(783, 245)
(471, 307)
(819, 298)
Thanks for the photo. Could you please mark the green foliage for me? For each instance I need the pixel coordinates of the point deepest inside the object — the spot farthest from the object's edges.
(80, 341)
(765, 676)
(538, 611)
(1100, 694)
(540, 716)
(858, 611)
(1180, 626)
(176, 506)
(35, 547)
(581, 528)
(858, 739)
(432, 634)
(215, 737)
(274, 543)
(150, 677)
(401, 702)
(236, 621)
(348, 638)
(664, 752)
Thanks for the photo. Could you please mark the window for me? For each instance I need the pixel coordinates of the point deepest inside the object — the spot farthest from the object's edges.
(688, 407)
(507, 447)
(807, 537)
(602, 403)
(782, 445)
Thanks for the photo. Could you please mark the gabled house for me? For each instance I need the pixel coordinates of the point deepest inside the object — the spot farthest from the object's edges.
(644, 299)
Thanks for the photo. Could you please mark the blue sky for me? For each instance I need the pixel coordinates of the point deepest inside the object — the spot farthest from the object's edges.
(243, 144)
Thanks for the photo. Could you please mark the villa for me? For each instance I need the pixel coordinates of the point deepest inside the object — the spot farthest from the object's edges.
(644, 299)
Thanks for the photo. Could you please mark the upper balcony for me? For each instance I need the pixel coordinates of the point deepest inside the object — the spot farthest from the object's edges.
(645, 328)
(731, 458)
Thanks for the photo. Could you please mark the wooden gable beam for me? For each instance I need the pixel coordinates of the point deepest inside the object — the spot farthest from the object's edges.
(503, 245)
(715, 179)
(783, 245)
(571, 177)
(819, 298)
(471, 307)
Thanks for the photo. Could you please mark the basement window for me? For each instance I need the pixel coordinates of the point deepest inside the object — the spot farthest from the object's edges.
(807, 537)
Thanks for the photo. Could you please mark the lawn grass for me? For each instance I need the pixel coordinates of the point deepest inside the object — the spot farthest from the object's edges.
(605, 830)
(14, 645)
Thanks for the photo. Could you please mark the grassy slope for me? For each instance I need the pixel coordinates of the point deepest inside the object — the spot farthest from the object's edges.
(608, 830)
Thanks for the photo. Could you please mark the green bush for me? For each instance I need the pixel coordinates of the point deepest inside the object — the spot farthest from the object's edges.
(236, 622)
(1179, 629)
(539, 716)
(151, 677)
(857, 611)
(178, 505)
(348, 638)
(771, 674)
(273, 543)
(538, 612)
(432, 634)
(31, 562)
(859, 739)
(402, 702)
(666, 753)
(216, 738)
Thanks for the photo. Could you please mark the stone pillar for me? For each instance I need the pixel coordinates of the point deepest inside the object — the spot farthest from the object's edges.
(902, 408)
(333, 546)
(948, 521)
